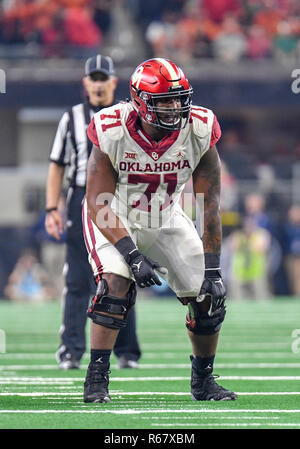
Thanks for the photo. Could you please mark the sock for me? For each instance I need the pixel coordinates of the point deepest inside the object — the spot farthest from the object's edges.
(100, 356)
(203, 362)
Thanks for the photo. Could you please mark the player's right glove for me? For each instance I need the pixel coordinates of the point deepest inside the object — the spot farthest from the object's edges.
(213, 285)
(142, 267)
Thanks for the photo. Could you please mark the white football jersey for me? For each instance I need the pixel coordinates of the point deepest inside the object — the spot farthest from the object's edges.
(151, 175)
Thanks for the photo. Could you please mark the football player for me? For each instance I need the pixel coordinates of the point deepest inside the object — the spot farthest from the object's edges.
(144, 152)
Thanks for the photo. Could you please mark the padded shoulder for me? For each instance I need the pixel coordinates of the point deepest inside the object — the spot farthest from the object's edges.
(202, 121)
(110, 121)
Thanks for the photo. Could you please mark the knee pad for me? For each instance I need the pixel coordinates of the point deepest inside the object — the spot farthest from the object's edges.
(200, 323)
(103, 302)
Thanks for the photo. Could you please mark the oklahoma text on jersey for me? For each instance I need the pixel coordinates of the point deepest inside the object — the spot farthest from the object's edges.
(151, 175)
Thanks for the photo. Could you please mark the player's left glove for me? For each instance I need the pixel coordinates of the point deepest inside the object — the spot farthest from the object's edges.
(213, 285)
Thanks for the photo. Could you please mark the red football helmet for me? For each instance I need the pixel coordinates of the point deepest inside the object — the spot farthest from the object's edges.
(161, 94)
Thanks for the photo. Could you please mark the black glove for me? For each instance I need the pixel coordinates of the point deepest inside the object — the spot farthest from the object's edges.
(141, 266)
(213, 285)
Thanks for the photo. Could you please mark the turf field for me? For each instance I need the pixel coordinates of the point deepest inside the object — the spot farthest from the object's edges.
(257, 358)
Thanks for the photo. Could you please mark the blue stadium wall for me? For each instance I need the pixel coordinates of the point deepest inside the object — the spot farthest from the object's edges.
(217, 93)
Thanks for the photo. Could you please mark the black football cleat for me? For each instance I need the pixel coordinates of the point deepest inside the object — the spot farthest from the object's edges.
(124, 362)
(204, 387)
(65, 359)
(96, 383)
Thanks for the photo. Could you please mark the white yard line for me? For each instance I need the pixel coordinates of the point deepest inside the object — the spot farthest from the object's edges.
(148, 393)
(233, 424)
(152, 355)
(58, 380)
(154, 411)
(188, 418)
(224, 355)
(235, 344)
(221, 365)
(161, 366)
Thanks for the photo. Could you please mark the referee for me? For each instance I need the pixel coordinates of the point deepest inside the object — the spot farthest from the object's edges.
(71, 148)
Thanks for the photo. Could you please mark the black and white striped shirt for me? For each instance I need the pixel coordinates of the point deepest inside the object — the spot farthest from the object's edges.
(71, 146)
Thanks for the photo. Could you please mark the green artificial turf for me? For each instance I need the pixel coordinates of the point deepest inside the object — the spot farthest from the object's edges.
(257, 357)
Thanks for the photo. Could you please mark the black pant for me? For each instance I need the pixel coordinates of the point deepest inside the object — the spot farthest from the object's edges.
(80, 286)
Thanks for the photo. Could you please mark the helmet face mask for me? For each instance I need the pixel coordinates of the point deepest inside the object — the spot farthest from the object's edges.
(161, 94)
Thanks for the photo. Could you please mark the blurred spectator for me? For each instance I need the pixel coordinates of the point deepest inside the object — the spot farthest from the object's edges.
(237, 156)
(29, 281)
(266, 177)
(187, 29)
(51, 251)
(25, 20)
(195, 33)
(217, 9)
(162, 35)
(258, 43)
(255, 208)
(286, 43)
(82, 35)
(53, 23)
(229, 191)
(233, 28)
(249, 263)
(230, 44)
(292, 248)
(265, 212)
(229, 215)
(268, 16)
(53, 36)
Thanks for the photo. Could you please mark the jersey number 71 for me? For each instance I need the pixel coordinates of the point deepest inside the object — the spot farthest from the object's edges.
(153, 181)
